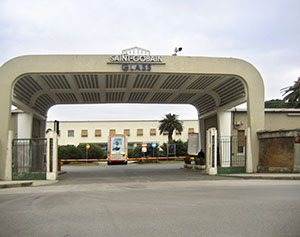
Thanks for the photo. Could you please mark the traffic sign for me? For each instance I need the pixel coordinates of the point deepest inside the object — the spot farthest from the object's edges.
(154, 144)
(87, 146)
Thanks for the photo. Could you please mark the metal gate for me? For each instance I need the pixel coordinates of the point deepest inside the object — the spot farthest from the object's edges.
(29, 159)
(231, 154)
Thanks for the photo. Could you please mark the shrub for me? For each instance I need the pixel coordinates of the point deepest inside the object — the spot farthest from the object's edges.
(137, 151)
(95, 151)
(69, 152)
(181, 148)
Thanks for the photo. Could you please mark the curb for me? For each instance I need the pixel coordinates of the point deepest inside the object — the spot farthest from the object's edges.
(270, 177)
(16, 185)
(61, 172)
(263, 177)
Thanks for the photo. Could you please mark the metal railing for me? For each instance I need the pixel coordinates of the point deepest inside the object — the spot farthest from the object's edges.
(28, 156)
(231, 152)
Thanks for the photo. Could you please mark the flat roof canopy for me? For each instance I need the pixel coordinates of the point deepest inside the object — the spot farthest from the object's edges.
(206, 92)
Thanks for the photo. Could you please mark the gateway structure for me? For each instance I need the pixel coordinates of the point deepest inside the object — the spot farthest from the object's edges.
(34, 83)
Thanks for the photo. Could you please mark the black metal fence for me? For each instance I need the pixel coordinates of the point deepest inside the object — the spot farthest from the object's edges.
(231, 154)
(29, 158)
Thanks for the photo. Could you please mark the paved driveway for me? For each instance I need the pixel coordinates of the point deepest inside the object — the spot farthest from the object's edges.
(132, 173)
(148, 201)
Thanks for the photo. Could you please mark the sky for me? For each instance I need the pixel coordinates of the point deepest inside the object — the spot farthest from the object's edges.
(265, 33)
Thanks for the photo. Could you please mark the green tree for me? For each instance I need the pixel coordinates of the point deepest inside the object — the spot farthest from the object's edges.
(95, 151)
(277, 103)
(180, 146)
(137, 151)
(151, 151)
(68, 152)
(169, 124)
(292, 94)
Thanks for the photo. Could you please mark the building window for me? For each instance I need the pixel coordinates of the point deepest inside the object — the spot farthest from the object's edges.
(98, 133)
(127, 132)
(112, 131)
(191, 130)
(241, 141)
(84, 133)
(165, 133)
(139, 132)
(178, 132)
(70, 133)
(152, 132)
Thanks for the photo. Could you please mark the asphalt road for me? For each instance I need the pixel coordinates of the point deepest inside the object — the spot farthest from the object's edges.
(130, 204)
(131, 173)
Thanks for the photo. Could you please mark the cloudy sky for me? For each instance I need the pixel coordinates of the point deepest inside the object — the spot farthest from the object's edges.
(263, 32)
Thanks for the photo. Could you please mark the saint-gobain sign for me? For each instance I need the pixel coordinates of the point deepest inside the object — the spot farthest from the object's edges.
(136, 59)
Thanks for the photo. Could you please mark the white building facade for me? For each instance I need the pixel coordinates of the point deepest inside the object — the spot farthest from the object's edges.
(138, 131)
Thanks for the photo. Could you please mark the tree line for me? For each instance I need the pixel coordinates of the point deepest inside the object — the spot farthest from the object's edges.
(96, 152)
(291, 97)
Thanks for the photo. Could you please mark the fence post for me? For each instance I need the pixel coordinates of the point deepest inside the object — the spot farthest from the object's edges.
(8, 170)
(211, 151)
(231, 145)
(249, 164)
(51, 155)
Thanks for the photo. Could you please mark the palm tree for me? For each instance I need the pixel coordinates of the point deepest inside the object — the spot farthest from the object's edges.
(169, 124)
(292, 94)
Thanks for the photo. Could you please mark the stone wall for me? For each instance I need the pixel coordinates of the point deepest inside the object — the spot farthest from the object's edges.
(278, 151)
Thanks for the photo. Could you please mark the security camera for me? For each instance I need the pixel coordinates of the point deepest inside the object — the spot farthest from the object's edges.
(177, 50)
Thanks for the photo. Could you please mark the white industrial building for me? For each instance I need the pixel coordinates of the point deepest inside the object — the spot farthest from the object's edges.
(138, 131)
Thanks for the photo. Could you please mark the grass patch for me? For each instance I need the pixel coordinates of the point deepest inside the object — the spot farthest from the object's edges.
(170, 161)
(83, 164)
(151, 162)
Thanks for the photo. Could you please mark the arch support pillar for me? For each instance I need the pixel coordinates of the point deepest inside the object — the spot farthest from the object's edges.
(5, 135)
(256, 121)
(202, 132)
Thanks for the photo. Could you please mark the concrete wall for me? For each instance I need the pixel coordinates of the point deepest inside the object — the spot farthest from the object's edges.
(13, 124)
(279, 151)
(276, 154)
(285, 119)
(274, 119)
(25, 122)
(38, 129)
(211, 122)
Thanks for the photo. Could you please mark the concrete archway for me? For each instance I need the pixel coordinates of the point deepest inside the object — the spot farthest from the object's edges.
(35, 83)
